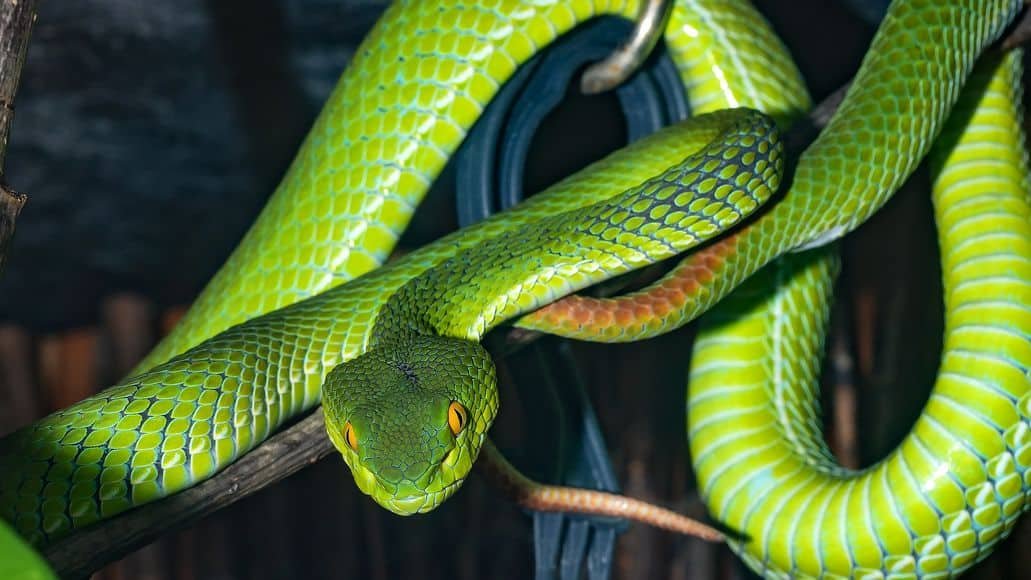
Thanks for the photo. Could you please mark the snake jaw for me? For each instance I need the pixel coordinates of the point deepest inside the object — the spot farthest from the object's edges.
(385, 494)
(407, 498)
(364, 478)
(418, 503)
(440, 482)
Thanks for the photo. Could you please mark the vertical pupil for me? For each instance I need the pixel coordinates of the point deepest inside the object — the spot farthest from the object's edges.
(349, 436)
(457, 417)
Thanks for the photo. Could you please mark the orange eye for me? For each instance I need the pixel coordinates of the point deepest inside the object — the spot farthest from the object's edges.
(350, 437)
(457, 417)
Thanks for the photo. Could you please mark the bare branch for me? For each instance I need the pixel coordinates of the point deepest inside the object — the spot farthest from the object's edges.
(16, 19)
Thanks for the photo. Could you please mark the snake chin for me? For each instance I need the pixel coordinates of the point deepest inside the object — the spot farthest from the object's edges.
(408, 501)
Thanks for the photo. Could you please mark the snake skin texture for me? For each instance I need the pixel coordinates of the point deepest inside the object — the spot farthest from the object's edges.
(387, 409)
(704, 195)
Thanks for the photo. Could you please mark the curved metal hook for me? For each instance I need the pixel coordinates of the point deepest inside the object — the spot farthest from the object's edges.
(625, 60)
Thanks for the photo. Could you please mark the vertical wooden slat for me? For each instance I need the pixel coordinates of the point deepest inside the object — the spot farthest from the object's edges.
(127, 324)
(70, 367)
(19, 399)
(844, 431)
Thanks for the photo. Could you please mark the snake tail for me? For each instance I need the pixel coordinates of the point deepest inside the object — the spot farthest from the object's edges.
(552, 498)
(957, 483)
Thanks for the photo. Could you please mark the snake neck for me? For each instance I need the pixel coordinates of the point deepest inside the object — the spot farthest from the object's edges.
(695, 200)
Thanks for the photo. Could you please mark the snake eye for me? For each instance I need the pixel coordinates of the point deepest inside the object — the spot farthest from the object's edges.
(457, 417)
(350, 437)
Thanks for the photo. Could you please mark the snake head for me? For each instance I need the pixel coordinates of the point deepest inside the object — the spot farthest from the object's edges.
(409, 418)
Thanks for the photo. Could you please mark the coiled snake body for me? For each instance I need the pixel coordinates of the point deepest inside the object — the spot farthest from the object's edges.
(408, 392)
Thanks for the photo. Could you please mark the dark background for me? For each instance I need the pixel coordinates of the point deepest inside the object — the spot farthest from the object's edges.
(148, 135)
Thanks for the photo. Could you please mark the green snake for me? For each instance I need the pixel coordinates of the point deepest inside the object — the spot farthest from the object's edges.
(409, 394)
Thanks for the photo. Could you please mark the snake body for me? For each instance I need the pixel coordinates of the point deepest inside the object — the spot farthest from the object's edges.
(275, 330)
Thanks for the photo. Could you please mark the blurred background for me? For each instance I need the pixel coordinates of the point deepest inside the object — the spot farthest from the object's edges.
(148, 135)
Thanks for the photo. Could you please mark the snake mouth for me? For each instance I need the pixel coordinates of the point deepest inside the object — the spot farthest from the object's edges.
(419, 502)
(409, 505)
(387, 495)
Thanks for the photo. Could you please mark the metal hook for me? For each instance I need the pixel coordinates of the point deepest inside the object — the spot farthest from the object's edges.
(625, 60)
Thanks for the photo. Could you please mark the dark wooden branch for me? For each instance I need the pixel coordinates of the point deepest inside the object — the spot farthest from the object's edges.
(285, 453)
(16, 19)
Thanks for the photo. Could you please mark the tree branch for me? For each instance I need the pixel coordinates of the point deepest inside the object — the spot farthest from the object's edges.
(16, 19)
